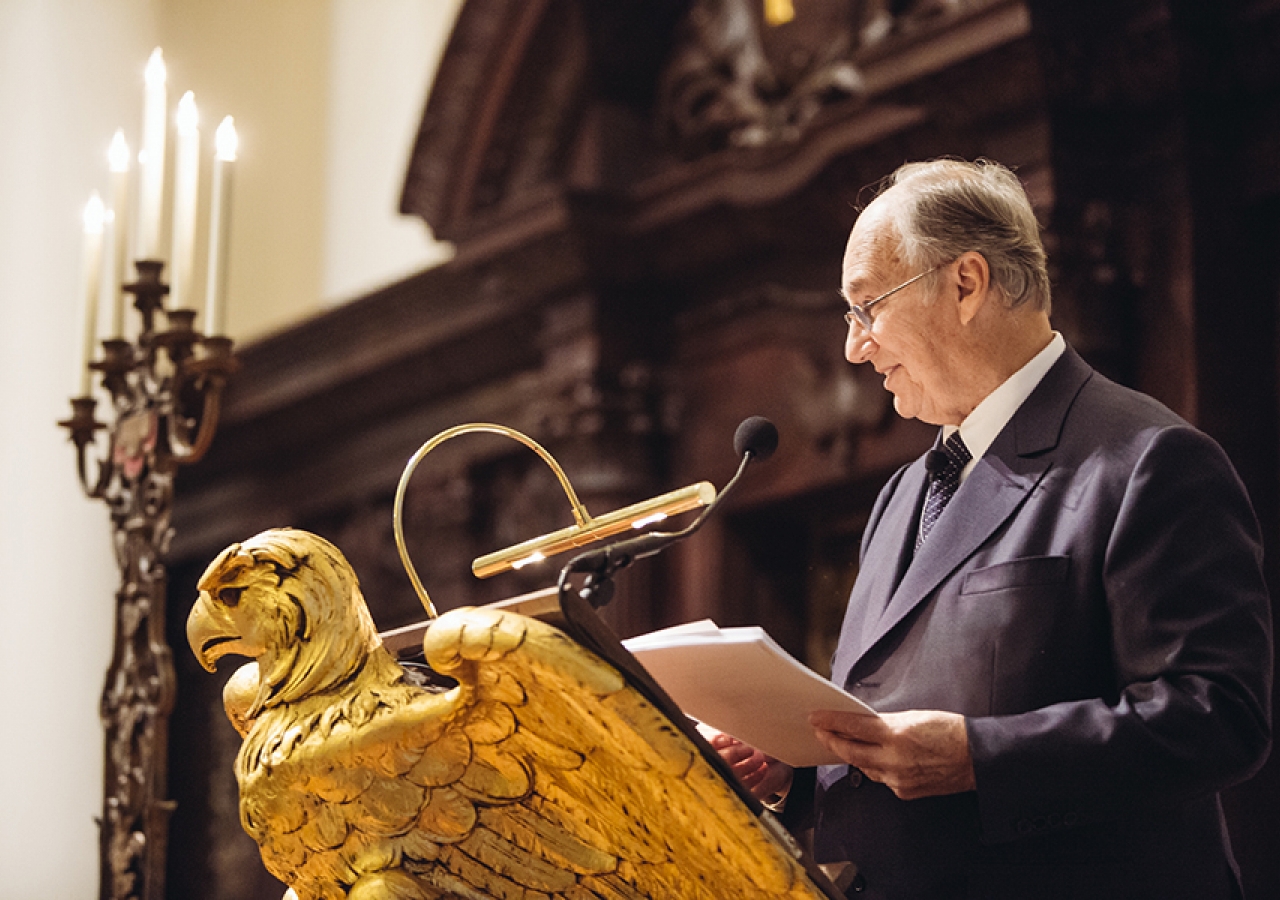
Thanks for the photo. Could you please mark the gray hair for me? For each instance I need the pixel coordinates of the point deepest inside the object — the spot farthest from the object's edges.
(946, 207)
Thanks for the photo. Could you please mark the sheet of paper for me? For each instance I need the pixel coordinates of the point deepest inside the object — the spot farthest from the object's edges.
(663, 635)
(741, 682)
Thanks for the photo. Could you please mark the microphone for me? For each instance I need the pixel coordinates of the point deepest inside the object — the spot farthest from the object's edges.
(755, 438)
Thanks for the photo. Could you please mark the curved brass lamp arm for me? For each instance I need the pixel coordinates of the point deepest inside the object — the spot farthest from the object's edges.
(580, 514)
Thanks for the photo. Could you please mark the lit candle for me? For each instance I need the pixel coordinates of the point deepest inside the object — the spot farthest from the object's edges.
(186, 177)
(151, 159)
(118, 252)
(94, 216)
(220, 228)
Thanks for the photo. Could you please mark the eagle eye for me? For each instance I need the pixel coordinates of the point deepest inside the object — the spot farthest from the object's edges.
(230, 596)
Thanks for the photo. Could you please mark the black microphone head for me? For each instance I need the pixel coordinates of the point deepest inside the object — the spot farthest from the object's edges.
(757, 436)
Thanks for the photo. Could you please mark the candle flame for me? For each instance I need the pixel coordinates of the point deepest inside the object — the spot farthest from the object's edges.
(95, 214)
(118, 153)
(226, 141)
(188, 117)
(156, 74)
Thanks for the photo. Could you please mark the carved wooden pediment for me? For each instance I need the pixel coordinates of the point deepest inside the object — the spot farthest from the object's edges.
(541, 108)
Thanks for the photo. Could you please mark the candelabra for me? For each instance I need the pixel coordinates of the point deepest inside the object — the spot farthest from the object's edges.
(166, 390)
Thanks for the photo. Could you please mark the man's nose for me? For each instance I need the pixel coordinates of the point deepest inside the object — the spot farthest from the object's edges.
(859, 345)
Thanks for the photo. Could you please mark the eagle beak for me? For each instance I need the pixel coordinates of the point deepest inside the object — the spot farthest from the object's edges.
(210, 632)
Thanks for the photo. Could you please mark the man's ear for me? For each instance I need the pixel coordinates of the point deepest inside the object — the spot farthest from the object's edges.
(973, 276)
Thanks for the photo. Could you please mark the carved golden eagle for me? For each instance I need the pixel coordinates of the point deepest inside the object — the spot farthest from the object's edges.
(542, 774)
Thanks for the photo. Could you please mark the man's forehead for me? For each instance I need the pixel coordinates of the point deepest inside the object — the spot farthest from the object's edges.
(872, 253)
(855, 280)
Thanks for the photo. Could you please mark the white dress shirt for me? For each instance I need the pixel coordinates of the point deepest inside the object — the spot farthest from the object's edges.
(990, 416)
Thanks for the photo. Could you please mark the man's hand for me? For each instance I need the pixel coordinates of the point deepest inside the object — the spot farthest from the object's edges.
(918, 753)
(764, 776)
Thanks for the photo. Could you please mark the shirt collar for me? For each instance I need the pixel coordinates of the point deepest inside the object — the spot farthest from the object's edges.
(981, 427)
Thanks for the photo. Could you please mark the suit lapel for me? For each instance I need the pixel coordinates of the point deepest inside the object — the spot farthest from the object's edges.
(988, 497)
(997, 487)
(890, 555)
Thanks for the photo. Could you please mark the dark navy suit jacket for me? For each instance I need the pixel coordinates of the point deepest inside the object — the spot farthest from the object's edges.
(1093, 602)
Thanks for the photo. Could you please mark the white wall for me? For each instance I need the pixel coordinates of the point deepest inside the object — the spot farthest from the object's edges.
(327, 98)
(266, 65)
(70, 73)
(384, 53)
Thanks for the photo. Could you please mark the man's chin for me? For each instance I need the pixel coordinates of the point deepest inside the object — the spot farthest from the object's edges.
(905, 408)
(908, 408)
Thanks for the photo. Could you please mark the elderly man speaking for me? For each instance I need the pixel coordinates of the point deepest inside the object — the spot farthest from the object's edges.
(1060, 610)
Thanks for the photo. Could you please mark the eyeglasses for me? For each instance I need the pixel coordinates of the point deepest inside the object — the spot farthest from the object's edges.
(862, 313)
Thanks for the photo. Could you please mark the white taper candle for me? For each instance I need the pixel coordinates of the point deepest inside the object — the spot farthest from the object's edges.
(220, 228)
(186, 180)
(155, 117)
(118, 253)
(91, 283)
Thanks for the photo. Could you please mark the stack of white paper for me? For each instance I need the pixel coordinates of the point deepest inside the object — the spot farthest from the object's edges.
(739, 681)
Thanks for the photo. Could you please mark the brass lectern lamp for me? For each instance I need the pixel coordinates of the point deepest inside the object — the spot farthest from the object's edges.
(552, 766)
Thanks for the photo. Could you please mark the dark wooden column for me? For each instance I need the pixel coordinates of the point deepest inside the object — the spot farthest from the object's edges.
(1230, 85)
(1120, 230)
(1165, 230)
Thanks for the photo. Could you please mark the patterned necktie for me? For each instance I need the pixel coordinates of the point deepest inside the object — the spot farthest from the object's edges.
(946, 466)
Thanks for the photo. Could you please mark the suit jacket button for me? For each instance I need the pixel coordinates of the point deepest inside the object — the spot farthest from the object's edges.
(1022, 826)
(855, 777)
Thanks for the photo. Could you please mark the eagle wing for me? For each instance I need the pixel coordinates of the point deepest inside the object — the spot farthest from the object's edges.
(583, 788)
(541, 775)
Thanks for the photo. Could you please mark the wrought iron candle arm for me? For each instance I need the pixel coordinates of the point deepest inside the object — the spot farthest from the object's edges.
(150, 382)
